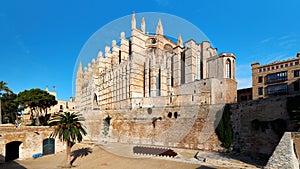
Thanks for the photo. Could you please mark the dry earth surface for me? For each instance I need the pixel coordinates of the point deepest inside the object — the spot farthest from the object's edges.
(95, 157)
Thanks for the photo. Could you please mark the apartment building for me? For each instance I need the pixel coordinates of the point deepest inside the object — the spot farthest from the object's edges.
(277, 78)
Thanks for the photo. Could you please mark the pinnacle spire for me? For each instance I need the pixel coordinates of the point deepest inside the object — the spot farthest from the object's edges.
(159, 28)
(133, 21)
(79, 70)
(113, 43)
(99, 54)
(107, 50)
(179, 40)
(122, 35)
(143, 25)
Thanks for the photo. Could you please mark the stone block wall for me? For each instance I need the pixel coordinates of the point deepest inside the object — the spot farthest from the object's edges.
(182, 127)
(245, 137)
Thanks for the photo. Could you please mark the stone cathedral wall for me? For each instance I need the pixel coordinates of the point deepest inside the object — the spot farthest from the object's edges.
(147, 66)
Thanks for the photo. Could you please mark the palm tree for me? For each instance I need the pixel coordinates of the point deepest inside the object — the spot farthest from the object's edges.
(69, 129)
(3, 88)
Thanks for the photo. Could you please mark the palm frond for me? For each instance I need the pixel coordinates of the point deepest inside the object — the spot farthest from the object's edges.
(68, 127)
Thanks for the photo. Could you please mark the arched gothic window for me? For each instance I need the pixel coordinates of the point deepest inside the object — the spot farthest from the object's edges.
(172, 71)
(228, 68)
(198, 66)
(158, 85)
(233, 70)
(95, 100)
(182, 62)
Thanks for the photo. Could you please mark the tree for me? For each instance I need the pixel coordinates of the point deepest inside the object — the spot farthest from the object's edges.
(9, 107)
(224, 128)
(3, 89)
(69, 129)
(38, 101)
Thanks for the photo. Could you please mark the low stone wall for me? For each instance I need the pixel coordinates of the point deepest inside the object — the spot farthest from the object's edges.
(284, 155)
(30, 137)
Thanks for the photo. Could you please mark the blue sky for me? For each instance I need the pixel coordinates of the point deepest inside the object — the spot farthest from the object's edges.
(41, 40)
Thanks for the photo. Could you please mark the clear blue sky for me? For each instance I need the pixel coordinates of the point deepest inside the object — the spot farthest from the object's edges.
(41, 40)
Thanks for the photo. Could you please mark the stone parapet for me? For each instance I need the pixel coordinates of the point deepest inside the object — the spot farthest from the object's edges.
(284, 155)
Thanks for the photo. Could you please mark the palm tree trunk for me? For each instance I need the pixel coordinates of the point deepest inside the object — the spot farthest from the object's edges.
(0, 113)
(68, 154)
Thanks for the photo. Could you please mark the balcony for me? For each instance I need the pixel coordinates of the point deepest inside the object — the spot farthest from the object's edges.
(277, 89)
(276, 77)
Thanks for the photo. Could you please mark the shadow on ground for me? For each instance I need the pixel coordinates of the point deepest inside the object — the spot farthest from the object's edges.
(256, 160)
(10, 164)
(80, 153)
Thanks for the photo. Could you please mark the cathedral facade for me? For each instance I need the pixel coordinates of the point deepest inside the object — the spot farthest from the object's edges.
(151, 90)
(151, 70)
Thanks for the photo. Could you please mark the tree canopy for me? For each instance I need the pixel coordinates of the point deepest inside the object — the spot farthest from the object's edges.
(4, 88)
(37, 101)
(9, 107)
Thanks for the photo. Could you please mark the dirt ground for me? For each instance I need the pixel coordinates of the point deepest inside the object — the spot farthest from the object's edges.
(92, 157)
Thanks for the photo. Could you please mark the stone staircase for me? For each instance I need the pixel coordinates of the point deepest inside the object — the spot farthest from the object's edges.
(165, 152)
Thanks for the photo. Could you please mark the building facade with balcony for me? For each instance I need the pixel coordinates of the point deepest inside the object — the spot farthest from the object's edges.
(277, 78)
